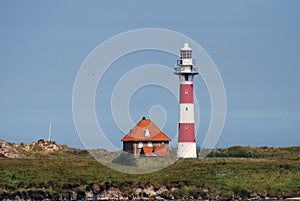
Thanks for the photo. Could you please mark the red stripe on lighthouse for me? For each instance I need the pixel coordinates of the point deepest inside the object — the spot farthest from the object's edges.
(186, 132)
(186, 93)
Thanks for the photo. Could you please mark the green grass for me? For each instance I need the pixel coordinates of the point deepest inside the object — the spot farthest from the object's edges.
(272, 171)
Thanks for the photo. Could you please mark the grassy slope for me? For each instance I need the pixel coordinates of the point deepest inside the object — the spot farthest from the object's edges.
(272, 171)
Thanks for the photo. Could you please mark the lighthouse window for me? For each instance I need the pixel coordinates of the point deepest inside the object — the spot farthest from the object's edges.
(186, 77)
(186, 109)
(186, 126)
(189, 55)
(186, 54)
(186, 91)
(183, 54)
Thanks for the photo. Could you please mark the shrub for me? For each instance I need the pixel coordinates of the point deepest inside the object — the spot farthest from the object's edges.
(125, 159)
(239, 191)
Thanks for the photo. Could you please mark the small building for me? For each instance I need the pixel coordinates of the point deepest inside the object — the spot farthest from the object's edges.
(146, 139)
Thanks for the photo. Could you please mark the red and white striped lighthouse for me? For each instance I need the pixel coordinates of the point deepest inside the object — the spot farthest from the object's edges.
(186, 72)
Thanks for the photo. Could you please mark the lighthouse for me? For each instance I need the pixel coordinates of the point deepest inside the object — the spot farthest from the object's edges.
(186, 129)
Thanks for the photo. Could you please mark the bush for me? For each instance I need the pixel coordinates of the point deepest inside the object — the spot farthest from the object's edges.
(241, 192)
(125, 159)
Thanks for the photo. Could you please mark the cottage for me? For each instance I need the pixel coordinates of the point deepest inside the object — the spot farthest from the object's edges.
(146, 139)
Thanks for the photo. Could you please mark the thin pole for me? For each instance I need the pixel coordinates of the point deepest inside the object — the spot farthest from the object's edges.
(49, 134)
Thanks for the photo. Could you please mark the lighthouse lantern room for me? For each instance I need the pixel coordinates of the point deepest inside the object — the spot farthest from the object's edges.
(186, 135)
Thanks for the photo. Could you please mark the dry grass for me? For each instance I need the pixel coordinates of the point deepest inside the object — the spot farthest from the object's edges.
(276, 173)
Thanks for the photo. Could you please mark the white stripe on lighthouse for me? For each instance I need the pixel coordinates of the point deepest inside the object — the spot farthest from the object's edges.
(186, 113)
(187, 150)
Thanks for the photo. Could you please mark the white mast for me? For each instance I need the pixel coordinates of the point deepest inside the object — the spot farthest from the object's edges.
(49, 133)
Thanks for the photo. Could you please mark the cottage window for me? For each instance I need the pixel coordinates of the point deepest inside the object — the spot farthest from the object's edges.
(140, 144)
(146, 133)
(149, 144)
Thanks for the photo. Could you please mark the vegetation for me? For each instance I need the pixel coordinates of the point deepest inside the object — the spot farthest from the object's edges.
(237, 171)
(257, 152)
(125, 159)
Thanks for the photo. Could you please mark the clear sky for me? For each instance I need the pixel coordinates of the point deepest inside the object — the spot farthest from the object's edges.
(255, 45)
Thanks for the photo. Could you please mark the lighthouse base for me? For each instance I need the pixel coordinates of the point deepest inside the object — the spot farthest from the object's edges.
(186, 150)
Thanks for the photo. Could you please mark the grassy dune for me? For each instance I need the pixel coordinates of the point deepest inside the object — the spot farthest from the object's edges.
(238, 171)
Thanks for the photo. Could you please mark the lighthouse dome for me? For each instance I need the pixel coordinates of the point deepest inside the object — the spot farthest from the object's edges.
(186, 47)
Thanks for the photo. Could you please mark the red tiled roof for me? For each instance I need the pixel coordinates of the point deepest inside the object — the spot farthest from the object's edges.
(138, 132)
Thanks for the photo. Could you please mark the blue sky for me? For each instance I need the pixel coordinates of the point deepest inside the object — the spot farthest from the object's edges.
(255, 45)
